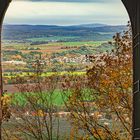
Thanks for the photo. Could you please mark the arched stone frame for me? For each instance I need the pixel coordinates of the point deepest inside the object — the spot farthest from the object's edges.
(3, 7)
(133, 9)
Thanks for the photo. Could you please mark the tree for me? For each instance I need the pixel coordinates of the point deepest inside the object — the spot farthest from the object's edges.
(107, 114)
(37, 116)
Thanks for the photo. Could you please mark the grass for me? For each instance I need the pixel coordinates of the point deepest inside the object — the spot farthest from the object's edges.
(92, 43)
(55, 96)
(17, 46)
(22, 46)
(65, 44)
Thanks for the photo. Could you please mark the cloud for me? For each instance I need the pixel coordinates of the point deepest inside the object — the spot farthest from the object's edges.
(71, 0)
(74, 1)
(64, 13)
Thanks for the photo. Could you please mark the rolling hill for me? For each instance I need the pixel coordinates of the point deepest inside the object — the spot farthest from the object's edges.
(85, 32)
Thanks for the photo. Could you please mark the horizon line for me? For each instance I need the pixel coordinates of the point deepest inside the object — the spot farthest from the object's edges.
(64, 25)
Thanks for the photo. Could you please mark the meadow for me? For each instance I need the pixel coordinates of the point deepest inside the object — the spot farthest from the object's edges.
(23, 46)
(21, 100)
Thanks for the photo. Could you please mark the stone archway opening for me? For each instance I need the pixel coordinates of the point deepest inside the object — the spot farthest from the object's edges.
(136, 84)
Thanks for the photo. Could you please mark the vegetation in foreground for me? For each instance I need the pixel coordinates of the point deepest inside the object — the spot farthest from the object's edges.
(97, 105)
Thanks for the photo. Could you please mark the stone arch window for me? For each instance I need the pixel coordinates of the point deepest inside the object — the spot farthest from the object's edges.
(133, 8)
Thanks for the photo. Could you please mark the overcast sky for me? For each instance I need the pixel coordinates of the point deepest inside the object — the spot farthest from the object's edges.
(66, 12)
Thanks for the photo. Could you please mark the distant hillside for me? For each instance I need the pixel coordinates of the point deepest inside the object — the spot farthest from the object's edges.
(92, 25)
(118, 28)
(84, 32)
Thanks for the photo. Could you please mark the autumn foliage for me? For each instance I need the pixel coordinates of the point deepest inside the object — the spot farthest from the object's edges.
(106, 114)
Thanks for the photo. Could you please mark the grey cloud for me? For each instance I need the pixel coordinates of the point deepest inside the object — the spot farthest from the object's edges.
(76, 1)
(71, 20)
(71, 0)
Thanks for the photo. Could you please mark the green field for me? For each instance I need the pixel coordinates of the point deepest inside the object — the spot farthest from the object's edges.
(21, 99)
(88, 43)
(22, 46)
(57, 97)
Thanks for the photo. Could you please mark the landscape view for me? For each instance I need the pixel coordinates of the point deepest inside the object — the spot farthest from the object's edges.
(68, 78)
(61, 49)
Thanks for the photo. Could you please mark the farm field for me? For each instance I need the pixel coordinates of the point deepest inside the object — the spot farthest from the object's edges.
(59, 48)
(19, 57)
(59, 97)
(45, 74)
(20, 98)
(24, 46)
